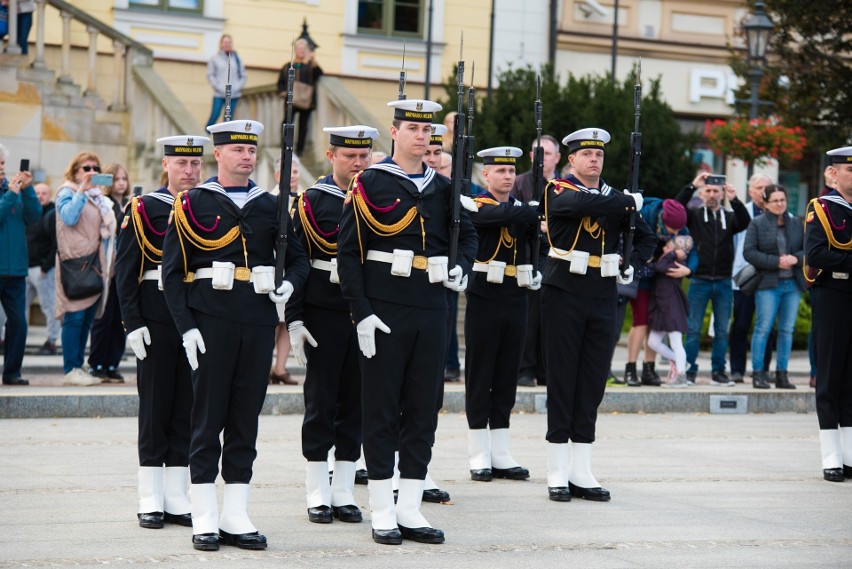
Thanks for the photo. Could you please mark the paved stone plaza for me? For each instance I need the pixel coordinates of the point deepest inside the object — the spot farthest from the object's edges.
(689, 490)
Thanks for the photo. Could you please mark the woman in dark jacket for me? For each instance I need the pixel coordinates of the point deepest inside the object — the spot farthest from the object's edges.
(774, 245)
(307, 72)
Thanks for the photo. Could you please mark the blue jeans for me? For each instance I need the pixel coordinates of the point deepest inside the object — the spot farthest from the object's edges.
(75, 334)
(783, 302)
(720, 293)
(219, 106)
(13, 293)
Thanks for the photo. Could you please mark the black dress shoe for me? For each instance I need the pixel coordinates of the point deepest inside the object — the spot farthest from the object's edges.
(179, 519)
(559, 493)
(320, 515)
(482, 475)
(526, 381)
(113, 376)
(361, 476)
(206, 541)
(16, 381)
(436, 496)
(151, 520)
(514, 473)
(833, 474)
(387, 536)
(594, 494)
(349, 513)
(251, 540)
(847, 471)
(423, 535)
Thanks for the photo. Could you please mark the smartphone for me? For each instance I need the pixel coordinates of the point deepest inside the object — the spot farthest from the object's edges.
(25, 165)
(102, 180)
(715, 180)
(137, 190)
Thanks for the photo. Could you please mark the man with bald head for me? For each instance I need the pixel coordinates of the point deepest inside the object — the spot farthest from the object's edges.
(41, 279)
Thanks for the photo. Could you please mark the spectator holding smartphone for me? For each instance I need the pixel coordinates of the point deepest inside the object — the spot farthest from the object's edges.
(712, 229)
(19, 207)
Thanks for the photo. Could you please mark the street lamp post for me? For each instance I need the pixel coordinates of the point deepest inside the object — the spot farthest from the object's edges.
(757, 29)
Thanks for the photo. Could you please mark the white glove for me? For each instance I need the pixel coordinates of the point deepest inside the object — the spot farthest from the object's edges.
(138, 339)
(298, 336)
(637, 197)
(468, 204)
(192, 344)
(536, 282)
(627, 278)
(457, 282)
(366, 329)
(282, 295)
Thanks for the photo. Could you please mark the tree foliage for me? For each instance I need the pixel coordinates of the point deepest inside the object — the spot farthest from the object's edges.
(506, 118)
(808, 76)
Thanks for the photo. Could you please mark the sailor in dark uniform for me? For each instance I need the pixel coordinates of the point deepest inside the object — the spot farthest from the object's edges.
(218, 276)
(496, 316)
(163, 374)
(323, 337)
(828, 265)
(392, 261)
(584, 218)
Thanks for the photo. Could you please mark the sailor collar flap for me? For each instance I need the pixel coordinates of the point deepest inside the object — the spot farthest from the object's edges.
(395, 170)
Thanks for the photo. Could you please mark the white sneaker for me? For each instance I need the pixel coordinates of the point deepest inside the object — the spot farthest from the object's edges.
(79, 377)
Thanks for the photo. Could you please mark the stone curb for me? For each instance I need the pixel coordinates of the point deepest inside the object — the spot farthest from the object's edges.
(124, 402)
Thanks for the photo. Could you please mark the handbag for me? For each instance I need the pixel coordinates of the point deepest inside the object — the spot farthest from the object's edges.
(303, 96)
(82, 277)
(747, 279)
(629, 290)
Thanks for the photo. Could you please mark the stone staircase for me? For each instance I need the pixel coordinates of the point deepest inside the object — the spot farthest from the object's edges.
(61, 100)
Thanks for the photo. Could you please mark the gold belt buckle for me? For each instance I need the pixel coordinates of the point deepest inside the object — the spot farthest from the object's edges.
(242, 274)
(420, 262)
(511, 271)
(190, 276)
(594, 261)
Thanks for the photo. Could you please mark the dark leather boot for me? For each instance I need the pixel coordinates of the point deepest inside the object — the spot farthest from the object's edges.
(760, 380)
(782, 381)
(649, 374)
(630, 375)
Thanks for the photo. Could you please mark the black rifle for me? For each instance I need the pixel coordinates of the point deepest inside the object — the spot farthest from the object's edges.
(228, 90)
(287, 136)
(469, 140)
(633, 165)
(457, 180)
(537, 175)
(401, 94)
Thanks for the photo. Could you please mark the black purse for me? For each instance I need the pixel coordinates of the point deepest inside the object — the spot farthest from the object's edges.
(82, 277)
(747, 279)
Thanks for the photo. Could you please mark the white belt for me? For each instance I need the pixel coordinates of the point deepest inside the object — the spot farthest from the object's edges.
(151, 275)
(563, 255)
(323, 265)
(241, 274)
(510, 271)
(418, 262)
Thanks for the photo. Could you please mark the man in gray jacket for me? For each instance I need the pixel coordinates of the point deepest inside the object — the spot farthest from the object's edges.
(218, 77)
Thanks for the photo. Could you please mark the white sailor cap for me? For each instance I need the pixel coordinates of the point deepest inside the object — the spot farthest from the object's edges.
(356, 136)
(235, 132)
(840, 155)
(415, 110)
(586, 138)
(183, 145)
(438, 132)
(500, 155)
